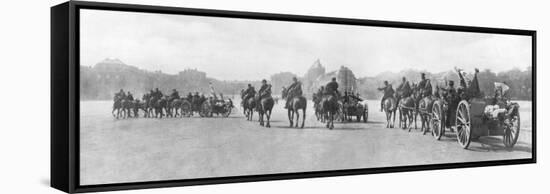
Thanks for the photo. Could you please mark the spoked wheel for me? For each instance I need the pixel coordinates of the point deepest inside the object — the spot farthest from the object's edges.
(463, 127)
(186, 109)
(436, 121)
(511, 131)
(227, 110)
(206, 110)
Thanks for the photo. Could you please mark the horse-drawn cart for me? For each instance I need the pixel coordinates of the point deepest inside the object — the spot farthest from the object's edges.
(472, 120)
(360, 110)
(209, 108)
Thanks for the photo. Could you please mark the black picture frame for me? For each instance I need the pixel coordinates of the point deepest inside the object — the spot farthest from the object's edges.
(65, 94)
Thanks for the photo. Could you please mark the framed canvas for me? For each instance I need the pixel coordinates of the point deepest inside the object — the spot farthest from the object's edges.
(151, 96)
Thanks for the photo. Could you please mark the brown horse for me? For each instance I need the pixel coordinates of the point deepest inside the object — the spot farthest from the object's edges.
(294, 105)
(264, 107)
(248, 107)
(329, 108)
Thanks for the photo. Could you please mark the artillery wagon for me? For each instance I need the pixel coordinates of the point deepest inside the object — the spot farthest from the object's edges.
(359, 110)
(471, 121)
(219, 107)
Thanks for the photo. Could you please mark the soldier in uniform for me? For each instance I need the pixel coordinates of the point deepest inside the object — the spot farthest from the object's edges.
(249, 92)
(129, 96)
(174, 95)
(404, 89)
(120, 95)
(425, 85)
(451, 96)
(388, 92)
(332, 88)
(265, 90)
(190, 96)
(295, 89)
(158, 93)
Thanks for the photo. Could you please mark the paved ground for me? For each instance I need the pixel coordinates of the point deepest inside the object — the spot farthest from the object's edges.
(143, 149)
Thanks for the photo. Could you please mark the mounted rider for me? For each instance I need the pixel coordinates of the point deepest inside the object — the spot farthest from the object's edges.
(332, 88)
(404, 89)
(248, 93)
(175, 95)
(295, 89)
(425, 86)
(388, 92)
(129, 96)
(265, 90)
(157, 94)
(120, 95)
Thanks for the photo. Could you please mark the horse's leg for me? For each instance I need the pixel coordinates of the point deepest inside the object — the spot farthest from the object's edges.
(297, 112)
(303, 117)
(392, 114)
(290, 117)
(268, 116)
(261, 117)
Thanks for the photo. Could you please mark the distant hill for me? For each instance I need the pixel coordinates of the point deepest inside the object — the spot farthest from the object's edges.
(101, 81)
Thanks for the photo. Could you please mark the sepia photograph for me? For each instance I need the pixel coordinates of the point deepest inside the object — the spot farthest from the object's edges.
(177, 97)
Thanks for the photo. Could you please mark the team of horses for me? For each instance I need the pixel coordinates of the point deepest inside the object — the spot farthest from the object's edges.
(410, 108)
(155, 107)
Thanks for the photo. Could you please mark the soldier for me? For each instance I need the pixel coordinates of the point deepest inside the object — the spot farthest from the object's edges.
(190, 96)
(249, 92)
(451, 96)
(404, 89)
(332, 88)
(158, 93)
(425, 85)
(174, 95)
(120, 95)
(388, 92)
(265, 90)
(295, 89)
(129, 96)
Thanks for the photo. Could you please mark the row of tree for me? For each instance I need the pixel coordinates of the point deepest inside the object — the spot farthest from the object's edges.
(101, 81)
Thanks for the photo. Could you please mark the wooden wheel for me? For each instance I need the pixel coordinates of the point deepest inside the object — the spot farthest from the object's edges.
(462, 124)
(437, 121)
(511, 131)
(186, 109)
(227, 110)
(205, 110)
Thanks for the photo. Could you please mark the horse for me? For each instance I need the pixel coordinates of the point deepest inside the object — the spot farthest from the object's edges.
(264, 107)
(248, 105)
(294, 105)
(317, 108)
(135, 106)
(174, 106)
(329, 108)
(117, 106)
(158, 105)
(425, 109)
(406, 112)
(390, 107)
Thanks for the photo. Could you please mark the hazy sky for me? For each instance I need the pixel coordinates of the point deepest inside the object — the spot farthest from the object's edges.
(239, 49)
